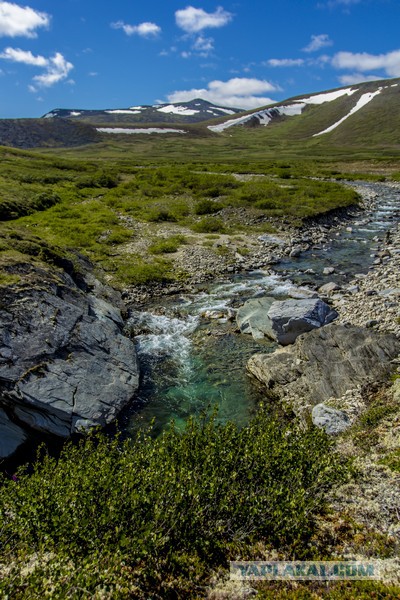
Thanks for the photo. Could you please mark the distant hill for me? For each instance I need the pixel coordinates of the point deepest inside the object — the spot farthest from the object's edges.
(33, 133)
(358, 115)
(195, 111)
(360, 118)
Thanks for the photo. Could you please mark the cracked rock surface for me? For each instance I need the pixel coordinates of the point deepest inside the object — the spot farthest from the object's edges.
(64, 361)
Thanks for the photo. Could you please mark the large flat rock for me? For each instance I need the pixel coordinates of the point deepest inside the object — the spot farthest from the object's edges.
(326, 362)
(64, 361)
(290, 318)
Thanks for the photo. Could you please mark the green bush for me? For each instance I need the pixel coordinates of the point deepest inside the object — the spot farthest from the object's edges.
(153, 517)
(206, 207)
(168, 245)
(209, 225)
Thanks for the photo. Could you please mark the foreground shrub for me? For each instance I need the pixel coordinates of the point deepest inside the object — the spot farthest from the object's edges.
(154, 516)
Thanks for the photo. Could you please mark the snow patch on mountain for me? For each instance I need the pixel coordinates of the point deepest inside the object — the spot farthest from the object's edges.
(178, 110)
(123, 111)
(147, 130)
(290, 110)
(228, 111)
(264, 116)
(328, 96)
(365, 99)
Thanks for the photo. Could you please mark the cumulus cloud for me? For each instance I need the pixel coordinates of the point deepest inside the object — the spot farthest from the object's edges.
(363, 62)
(194, 20)
(145, 30)
(56, 67)
(284, 62)
(23, 56)
(21, 21)
(239, 92)
(353, 78)
(317, 42)
(204, 45)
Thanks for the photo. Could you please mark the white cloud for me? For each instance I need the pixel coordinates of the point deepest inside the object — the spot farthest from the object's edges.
(317, 42)
(284, 62)
(239, 92)
(23, 56)
(56, 67)
(204, 45)
(194, 20)
(145, 30)
(354, 78)
(363, 62)
(21, 21)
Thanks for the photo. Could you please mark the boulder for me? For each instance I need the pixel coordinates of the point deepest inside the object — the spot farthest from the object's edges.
(290, 318)
(252, 318)
(65, 364)
(330, 419)
(325, 363)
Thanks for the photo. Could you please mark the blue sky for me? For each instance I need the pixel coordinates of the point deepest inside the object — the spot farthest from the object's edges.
(93, 54)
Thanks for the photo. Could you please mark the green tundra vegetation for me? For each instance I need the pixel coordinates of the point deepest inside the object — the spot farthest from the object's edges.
(157, 516)
(96, 206)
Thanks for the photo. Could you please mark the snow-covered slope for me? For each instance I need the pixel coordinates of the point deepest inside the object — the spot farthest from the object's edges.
(360, 95)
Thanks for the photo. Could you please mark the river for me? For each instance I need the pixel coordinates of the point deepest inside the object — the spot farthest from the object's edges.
(191, 356)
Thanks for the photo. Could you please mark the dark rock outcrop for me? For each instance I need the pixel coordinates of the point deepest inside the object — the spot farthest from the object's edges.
(49, 133)
(65, 364)
(11, 436)
(326, 362)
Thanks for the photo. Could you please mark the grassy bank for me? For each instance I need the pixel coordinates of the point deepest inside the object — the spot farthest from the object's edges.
(97, 207)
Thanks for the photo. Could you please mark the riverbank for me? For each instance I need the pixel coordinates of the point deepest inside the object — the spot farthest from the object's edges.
(204, 258)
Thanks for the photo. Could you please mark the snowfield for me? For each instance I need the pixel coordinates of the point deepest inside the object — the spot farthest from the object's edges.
(365, 99)
(328, 96)
(147, 130)
(178, 110)
(122, 111)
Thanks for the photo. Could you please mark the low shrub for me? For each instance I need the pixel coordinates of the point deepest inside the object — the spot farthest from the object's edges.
(153, 517)
(209, 225)
(206, 207)
(167, 245)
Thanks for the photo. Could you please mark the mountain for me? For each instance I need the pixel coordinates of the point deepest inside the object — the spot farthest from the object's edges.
(366, 113)
(359, 118)
(195, 111)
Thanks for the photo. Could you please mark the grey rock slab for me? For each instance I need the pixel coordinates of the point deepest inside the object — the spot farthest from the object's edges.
(252, 318)
(327, 362)
(333, 421)
(64, 361)
(291, 318)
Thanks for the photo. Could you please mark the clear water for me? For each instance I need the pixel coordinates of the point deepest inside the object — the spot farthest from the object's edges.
(190, 364)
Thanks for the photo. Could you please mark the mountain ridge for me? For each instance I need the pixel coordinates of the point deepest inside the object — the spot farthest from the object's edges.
(194, 111)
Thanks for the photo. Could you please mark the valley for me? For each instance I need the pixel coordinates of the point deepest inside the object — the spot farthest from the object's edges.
(127, 263)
